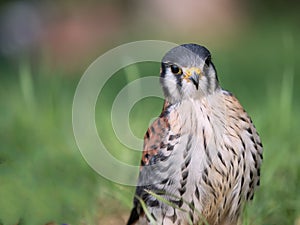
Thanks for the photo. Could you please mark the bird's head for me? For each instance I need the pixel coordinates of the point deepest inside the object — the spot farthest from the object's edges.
(188, 72)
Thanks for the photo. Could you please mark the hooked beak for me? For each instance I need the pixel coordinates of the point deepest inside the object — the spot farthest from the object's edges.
(193, 74)
(195, 79)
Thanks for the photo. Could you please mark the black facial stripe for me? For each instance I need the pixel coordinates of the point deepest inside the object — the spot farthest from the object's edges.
(178, 81)
(208, 60)
(163, 69)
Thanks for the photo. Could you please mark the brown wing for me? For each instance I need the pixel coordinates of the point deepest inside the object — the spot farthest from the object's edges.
(250, 143)
(235, 171)
(153, 139)
(153, 143)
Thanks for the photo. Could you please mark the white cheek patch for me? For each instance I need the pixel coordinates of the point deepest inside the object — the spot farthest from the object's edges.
(171, 88)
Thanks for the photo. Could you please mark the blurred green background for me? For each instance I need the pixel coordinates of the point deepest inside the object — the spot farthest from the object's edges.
(45, 46)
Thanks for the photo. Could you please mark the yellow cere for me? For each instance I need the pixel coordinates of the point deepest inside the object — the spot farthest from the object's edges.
(189, 72)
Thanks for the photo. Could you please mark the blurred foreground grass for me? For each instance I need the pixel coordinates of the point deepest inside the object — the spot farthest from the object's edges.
(44, 178)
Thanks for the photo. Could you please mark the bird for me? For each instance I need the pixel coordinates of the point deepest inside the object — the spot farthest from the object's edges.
(202, 156)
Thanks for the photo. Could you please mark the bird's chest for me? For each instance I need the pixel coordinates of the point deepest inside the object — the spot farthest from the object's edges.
(199, 136)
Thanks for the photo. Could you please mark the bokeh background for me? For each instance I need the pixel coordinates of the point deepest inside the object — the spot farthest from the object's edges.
(45, 47)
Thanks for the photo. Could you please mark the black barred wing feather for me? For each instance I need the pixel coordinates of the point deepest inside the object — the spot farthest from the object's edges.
(159, 142)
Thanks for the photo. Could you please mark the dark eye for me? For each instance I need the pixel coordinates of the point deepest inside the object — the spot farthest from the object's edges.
(176, 70)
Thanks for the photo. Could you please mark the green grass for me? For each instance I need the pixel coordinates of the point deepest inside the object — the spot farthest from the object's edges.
(44, 178)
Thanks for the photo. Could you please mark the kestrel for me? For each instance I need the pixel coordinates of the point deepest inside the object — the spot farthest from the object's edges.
(202, 156)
